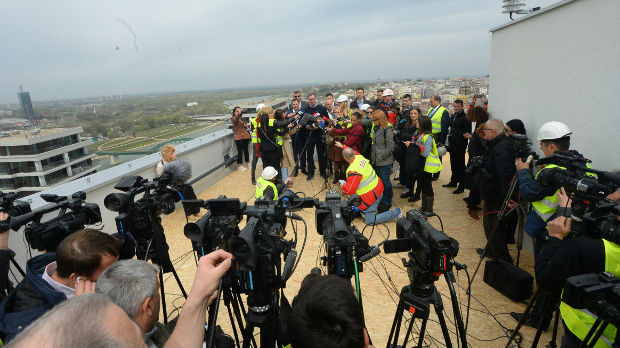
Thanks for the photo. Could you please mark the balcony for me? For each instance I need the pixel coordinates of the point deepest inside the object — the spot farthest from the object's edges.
(34, 156)
(47, 169)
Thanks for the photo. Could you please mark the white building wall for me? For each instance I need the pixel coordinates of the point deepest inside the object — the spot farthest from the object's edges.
(562, 64)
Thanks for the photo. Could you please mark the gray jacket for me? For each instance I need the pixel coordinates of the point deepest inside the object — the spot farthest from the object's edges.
(382, 151)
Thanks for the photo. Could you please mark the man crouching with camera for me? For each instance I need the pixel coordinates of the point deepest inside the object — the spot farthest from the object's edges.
(52, 278)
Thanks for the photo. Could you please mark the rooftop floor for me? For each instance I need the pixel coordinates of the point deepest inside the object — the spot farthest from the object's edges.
(489, 315)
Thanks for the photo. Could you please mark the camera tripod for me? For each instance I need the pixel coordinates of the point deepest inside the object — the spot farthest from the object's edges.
(549, 306)
(157, 251)
(417, 299)
(522, 209)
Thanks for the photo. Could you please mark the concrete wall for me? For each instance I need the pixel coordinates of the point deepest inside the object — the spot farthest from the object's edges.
(562, 64)
(204, 153)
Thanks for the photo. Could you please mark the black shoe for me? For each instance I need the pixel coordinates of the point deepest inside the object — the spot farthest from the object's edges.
(480, 252)
(303, 170)
(531, 322)
(435, 176)
(458, 191)
(450, 184)
(295, 173)
(406, 194)
(310, 176)
(414, 198)
(253, 182)
(466, 199)
(335, 181)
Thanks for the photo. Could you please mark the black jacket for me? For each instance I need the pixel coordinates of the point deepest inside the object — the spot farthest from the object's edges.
(458, 126)
(353, 104)
(318, 109)
(497, 170)
(268, 136)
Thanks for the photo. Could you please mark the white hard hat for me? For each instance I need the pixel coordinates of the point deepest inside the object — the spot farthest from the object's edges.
(365, 107)
(269, 173)
(388, 92)
(342, 98)
(553, 130)
(259, 106)
(441, 150)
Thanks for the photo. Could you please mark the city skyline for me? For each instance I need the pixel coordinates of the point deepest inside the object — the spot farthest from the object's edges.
(116, 48)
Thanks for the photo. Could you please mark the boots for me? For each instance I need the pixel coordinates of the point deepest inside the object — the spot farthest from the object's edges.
(427, 203)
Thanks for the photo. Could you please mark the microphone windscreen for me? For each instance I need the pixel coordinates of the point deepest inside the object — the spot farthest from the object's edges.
(178, 172)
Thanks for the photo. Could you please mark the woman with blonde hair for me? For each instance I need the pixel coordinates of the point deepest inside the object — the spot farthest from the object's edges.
(382, 154)
(168, 155)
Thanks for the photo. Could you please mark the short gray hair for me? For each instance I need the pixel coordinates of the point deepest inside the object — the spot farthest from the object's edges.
(78, 322)
(348, 153)
(496, 124)
(128, 283)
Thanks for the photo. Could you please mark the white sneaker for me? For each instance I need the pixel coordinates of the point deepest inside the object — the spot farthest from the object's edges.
(241, 168)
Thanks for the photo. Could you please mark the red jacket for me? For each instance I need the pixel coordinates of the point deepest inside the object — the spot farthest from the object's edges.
(355, 135)
(352, 183)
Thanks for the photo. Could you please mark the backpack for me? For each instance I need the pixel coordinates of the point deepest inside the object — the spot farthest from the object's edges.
(413, 160)
(366, 141)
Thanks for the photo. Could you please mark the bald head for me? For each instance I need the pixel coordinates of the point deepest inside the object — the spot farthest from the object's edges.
(496, 124)
(348, 154)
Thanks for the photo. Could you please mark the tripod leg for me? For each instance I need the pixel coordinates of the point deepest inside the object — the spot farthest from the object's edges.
(444, 327)
(460, 332)
(593, 330)
(17, 267)
(524, 317)
(599, 333)
(554, 336)
(422, 332)
(163, 296)
(176, 276)
(398, 318)
(213, 310)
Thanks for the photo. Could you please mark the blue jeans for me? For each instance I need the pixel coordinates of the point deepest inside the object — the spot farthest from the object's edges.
(384, 173)
(373, 218)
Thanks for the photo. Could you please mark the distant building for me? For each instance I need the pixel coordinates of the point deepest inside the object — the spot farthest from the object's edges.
(192, 104)
(24, 100)
(36, 160)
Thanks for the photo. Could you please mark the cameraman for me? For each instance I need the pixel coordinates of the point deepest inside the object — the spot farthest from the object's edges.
(325, 313)
(54, 277)
(496, 173)
(266, 188)
(559, 259)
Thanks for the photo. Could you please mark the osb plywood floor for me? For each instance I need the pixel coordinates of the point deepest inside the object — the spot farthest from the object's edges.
(489, 309)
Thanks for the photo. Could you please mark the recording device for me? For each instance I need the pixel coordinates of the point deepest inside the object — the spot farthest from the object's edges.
(598, 293)
(475, 163)
(73, 215)
(13, 207)
(431, 252)
(602, 222)
(346, 247)
(139, 218)
(523, 147)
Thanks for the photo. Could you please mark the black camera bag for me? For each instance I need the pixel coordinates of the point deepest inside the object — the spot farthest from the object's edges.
(510, 280)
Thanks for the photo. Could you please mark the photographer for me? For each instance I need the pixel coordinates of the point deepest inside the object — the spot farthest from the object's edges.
(495, 177)
(475, 150)
(364, 182)
(325, 313)
(54, 277)
(559, 259)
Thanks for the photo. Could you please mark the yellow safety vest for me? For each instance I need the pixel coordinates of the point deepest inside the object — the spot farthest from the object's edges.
(279, 139)
(254, 135)
(436, 118)
(370, 180)
(432, 165)
(261, 186)
(578, 321)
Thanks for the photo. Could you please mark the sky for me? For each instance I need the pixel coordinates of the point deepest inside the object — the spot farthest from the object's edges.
(65, 49)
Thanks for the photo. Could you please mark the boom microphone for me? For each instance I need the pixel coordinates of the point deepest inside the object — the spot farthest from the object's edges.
(176, 172)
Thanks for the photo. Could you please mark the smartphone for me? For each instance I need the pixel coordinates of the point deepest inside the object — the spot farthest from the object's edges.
(342, 182)
(284, 174)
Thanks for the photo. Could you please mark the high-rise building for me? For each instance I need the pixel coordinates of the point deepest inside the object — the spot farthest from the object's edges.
(24, 100)
(36, 160)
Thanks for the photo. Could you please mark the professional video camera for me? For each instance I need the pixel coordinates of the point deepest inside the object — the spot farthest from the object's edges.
(10, 205)
(430, 251)
(48, 234)
(258, 249)
(522, 147)
(346, 247)
(599, 294)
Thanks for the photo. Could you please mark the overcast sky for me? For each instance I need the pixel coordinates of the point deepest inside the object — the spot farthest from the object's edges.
(63, 49)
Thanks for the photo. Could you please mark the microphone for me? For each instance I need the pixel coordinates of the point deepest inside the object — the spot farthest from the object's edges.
(287, 270)
(374, 251)
(176, 173)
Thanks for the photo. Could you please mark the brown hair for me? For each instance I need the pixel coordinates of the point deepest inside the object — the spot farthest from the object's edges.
(166, 152)
(477, 114)
(81, 252)
(409, 123)
(381, 117)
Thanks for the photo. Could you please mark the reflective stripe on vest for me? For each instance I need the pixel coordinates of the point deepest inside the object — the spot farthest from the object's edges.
(369, 178)
(546, 207)
(261, 186)
(253, 134)
(432, 165)
(578, 321)
(436, 118)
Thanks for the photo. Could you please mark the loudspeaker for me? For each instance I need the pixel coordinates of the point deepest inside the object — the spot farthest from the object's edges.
(508, 279)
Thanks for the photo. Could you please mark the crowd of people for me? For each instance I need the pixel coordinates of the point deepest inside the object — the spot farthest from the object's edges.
(83, 295)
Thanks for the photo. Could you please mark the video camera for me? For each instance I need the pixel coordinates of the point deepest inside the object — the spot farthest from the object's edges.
(430, 251)
(13, 207)
(346, 247)
(46, 235)
(598, 293)
(522, 146)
